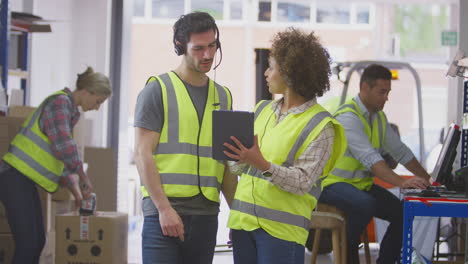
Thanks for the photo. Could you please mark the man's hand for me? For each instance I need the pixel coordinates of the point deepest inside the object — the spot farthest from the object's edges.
(75, 189)
(415, 182)
(171, 223)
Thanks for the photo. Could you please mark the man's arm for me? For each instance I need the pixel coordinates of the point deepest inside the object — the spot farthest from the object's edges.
(381, 170)
(145, 142)
(229, 185)
(417, 169)
(362, 149)
(402, 154)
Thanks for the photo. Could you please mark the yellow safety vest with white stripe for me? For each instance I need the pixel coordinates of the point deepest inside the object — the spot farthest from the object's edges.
(183, 156)
(30, 152)
(260, 204)
(348, 169)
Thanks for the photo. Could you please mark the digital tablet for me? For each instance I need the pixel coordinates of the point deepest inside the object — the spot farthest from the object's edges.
(239, 124)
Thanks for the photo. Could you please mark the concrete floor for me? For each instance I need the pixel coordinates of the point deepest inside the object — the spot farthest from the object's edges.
(134, 250)
(134, 243)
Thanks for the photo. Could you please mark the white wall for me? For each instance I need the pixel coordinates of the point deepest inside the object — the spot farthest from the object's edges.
(79, 38)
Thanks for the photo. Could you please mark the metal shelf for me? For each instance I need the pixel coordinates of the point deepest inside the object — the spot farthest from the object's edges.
(6, 30)
(18, 73)
(4, 40)
(464, 138)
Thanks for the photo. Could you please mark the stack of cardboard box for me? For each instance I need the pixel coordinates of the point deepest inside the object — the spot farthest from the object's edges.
(71, 238)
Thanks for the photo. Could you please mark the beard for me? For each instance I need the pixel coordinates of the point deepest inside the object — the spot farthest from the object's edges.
(198, 66)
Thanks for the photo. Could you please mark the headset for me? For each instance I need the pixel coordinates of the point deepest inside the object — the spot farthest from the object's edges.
(180, 48)
(180, 45)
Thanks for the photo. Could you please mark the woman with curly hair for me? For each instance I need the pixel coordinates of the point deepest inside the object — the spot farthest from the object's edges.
(296, 144)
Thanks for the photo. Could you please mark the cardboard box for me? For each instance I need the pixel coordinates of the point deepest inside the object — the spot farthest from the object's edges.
(16, 97)
(103, 176)
(60, 208)
(98, 239)
(7, 248)
(20, 111)
(63, 194)
(48, 252)
(9, 127)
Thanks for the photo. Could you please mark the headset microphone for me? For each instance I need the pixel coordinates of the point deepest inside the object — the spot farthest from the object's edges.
(214, 80)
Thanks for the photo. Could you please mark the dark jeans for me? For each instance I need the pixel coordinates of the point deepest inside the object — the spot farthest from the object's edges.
(259, 247)
(197, 248)
(23, 207)
(360, 207)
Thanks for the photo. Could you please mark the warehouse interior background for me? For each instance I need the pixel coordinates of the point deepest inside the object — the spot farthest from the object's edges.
(130, 40)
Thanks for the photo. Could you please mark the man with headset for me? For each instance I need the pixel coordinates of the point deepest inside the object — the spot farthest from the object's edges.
(173, 124)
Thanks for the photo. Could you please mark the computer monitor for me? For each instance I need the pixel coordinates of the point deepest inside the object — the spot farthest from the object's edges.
(442, 173)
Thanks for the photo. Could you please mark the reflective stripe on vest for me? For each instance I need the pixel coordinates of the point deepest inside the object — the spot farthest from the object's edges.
(30, 152)
(273, 215)
(184, 156)
(260, 204)
(349, 169)
(313, 123)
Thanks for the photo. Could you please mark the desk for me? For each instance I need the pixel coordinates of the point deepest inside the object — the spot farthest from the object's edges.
(424, 206)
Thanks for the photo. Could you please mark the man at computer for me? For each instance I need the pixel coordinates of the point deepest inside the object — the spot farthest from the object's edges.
(350, 186)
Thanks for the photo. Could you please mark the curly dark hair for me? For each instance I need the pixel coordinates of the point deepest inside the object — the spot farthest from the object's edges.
(303, 62)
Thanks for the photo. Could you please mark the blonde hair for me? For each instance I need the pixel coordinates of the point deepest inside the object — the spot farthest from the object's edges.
(93, 82)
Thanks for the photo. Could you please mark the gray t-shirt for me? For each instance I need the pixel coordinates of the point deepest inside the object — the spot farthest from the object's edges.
(149, 114)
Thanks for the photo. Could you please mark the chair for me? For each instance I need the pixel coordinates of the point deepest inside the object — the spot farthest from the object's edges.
(329, 217)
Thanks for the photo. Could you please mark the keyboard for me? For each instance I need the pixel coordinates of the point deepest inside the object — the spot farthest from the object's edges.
(433, 191)
(430, 188)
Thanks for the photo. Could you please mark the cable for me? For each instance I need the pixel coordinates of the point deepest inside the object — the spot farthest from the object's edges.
(215, 89)
(259, 146)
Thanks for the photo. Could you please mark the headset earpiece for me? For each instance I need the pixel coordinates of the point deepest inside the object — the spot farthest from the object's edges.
(179, 49)
(218, 46)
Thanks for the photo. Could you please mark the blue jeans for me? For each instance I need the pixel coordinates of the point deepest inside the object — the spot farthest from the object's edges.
(24, 211)
(259, 247)
(360, 207)
(197, 248)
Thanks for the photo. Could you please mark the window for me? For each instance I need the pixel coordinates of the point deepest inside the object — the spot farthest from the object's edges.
(264, 11)
(293, 12)
(212, 7)
(235, 10)
(139, 8)
(333, 13)
(173, 9)
(419, 28)
(318, 11)
(362, 14)
(167, 8)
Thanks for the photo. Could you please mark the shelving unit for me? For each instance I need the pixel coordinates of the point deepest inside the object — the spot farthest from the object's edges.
(4, 40)
(11, 29)
(464, 138)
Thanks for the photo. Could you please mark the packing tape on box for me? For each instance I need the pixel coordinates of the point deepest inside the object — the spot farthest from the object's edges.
(84, 227)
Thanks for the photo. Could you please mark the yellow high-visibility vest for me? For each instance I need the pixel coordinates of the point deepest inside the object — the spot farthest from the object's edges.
(30, 152)
(183, 156)
(260, 204)
(348, 169)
